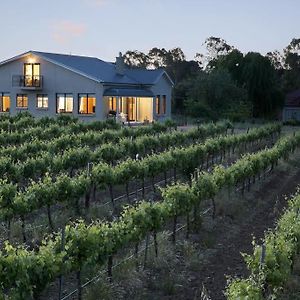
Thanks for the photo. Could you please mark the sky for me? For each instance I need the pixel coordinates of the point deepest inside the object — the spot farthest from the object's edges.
(103, 28)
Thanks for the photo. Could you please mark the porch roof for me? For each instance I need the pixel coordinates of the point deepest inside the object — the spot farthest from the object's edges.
(128, 92)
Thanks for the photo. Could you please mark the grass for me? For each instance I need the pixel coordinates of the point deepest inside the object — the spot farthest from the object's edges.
(161, 276)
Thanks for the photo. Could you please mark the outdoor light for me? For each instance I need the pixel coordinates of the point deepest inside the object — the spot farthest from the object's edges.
(31, 60)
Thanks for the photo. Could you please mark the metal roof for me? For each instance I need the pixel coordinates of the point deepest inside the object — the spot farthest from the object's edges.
(97, 69)
(128, 92)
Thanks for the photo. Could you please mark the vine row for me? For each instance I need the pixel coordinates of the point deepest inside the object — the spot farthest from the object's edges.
(25, 273)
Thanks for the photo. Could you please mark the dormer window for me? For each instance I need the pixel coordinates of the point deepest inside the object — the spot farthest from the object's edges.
(32, 75)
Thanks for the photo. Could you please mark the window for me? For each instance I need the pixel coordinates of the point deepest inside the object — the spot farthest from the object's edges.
(164, 105)
(22, 101)
(86, 103)
(32, 75)
(157, 105)
(4, 102)
(42, 101)
(64, 103)
(112, 103)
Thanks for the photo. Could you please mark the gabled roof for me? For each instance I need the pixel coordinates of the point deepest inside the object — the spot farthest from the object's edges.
(97, 69)
(147, 76)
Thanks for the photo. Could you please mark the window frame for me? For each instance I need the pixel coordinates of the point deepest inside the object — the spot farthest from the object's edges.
(164, 105)
(157, 105)
(65, 96)
(43, 99)
(33, 80)
(3, 94)
(112, 103)
(24, 96)
(87, 96)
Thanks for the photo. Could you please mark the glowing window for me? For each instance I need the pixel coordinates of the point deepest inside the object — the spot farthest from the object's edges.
(4, 102)
(64, 103)
(42, 101)
(22, 101)
(86, 103)
(157, 105)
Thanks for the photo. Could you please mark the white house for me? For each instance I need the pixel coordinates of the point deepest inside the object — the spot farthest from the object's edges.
(48, 84)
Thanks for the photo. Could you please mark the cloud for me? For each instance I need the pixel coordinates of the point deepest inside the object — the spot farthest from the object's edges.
(65, 31)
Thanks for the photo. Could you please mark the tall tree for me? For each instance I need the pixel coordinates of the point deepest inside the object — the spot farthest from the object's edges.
(292, 66)
(276, 59)
(233, 62)
(136, 59)
(157, 58)
(259, 77)
(216, 95)
(215, 47)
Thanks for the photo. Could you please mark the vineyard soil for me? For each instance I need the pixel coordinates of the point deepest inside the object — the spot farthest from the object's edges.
(219, 244)
(236, 234)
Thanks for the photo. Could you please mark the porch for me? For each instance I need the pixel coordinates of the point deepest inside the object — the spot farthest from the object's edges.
(130, 105)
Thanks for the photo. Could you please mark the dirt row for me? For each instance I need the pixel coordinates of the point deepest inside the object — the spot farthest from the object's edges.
(233, 236)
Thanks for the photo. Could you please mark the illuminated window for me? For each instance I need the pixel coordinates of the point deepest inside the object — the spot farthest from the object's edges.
(86, 103)
(32, 75)
(164, 104)
(157, 105)
(42, 101)
(22, 101)
(64, 103)
(4, 102)
(113, 103)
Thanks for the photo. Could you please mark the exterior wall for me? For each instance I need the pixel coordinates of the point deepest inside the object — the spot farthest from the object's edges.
(59, 80)
(290, 113)
(163, 87)
(56, 79)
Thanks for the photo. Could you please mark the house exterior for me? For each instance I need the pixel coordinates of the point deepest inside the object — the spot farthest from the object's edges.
(48, 84)
(291, 109)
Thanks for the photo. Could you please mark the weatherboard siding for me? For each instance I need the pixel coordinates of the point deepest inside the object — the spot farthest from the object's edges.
(62, 79)
(163, 87)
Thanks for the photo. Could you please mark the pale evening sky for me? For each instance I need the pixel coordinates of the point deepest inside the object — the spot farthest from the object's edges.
(102, 28)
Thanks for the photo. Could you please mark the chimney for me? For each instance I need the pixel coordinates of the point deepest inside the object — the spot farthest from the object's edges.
(120, 65)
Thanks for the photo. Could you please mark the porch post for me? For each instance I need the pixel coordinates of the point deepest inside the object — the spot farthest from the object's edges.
(118, 105)
(154, 108)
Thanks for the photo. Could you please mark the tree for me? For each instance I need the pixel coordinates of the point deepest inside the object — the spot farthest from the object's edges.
(233, 62)
(216, 95)
(136, 59)
(264, 91)
(158, 58)
(291, 78)
(276, 59)
(215, 47)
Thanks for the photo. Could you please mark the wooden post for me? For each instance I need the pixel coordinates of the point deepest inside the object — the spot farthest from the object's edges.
(62, 246)
(23, 228)
(9, 230)
(146, 251)
(109, 268)
(187, 225)
(49, 216)
(174, 229)
(214, 207)
(155, 243)
(79, 288)
(111, 195)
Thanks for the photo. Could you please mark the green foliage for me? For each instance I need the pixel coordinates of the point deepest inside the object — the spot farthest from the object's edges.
(215, 95)
(94, 243)
(282, 245)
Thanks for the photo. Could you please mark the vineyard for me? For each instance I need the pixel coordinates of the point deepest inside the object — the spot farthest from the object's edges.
(78, 201)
